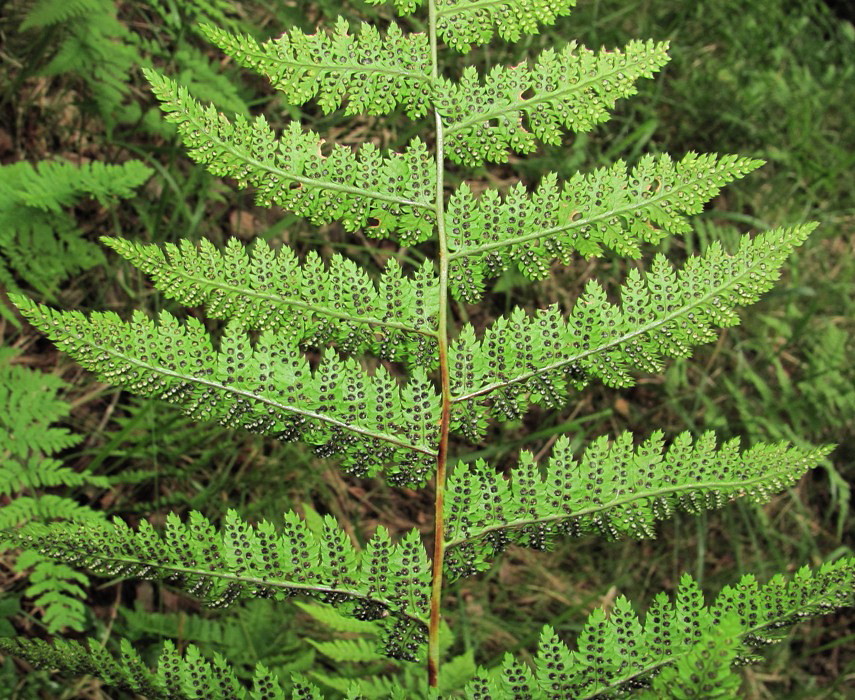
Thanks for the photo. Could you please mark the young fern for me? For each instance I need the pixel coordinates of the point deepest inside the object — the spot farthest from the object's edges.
(377, 420)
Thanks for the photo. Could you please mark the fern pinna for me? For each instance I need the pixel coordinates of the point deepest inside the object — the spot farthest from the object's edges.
(427, 377)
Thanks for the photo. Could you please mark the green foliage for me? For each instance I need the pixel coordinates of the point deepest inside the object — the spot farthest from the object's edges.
(369, 72)
(40, 241)
(271, 372)
(608, 208)
(311, 303)
(391, 194)
(620, 653)
(187, 676)
(573, 89)
(240, 561)
(29, 408)
(91, 43)
(615, 490)
(268, 388)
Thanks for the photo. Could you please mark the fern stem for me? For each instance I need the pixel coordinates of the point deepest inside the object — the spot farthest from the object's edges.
(445, 384)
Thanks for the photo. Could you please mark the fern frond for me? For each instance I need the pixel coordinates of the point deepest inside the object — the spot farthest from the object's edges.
(387, 194)
(385, 581)
(310, 303)
(371, 421)
(44, 507)
(463, 23)
(53, 185)
(372, 73)
(40, 472)
(615, 490)
(608, 208)
(190, 676)
(56, 588)
(571, 89)
(665, 313)
(45, 13)
(619, 653)
(28, 407)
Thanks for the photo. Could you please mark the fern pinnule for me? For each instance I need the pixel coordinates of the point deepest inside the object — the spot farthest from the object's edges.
(386, 581)
(619, 653)
(463, 23)
(266, 388)
(523, 359)
(609, 208)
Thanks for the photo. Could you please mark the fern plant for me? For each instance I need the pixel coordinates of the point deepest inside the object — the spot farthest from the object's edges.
(41, 243)
(399, 374)
(29, 407)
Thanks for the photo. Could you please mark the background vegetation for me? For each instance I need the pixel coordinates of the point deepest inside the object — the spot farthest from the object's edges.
(772, 80)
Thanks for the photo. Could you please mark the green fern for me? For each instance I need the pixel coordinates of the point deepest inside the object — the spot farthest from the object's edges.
(397, 419)
(313, 303)
(40, 242)
(369, 72)
(388, 194)
(615, 490)
(29, 407)
(573, 89)
(618, 653)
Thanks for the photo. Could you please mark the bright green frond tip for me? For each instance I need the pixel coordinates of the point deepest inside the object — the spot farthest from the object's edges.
(369, 72)
(466, 23)
(615, 490)
(617, 653)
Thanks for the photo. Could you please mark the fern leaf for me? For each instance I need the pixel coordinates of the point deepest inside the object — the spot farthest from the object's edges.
(190, 676)
(615, 490)
(56, 588)
(44, 507)
(620, 653)
(571, 89)
(348, 650)
(387, 582)
(386, 194)
(608, 208)
(463, 23)
(268, 388)
(45, 13)
(267, 290)
(370, 72)
(39, 473)
(53, 185)
(523, 359)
